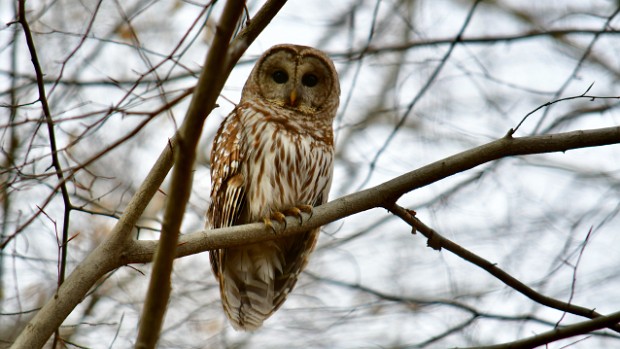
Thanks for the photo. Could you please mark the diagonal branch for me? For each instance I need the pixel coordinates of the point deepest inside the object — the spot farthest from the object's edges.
(558, 333)
(381, 195)
(436, 241)
(387, 193)
(211, 78)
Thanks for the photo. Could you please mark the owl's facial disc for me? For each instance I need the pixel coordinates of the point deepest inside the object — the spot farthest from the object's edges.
(302, 83)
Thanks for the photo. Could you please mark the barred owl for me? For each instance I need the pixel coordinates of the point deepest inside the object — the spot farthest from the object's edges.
(272, 156)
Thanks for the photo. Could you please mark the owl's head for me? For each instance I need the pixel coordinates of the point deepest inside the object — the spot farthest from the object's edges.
(298, 78)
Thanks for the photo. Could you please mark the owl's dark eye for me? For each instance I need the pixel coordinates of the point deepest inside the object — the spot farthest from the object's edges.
(279, 76)
(309, 80)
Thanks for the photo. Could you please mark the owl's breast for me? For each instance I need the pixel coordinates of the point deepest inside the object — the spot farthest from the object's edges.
(285, 168)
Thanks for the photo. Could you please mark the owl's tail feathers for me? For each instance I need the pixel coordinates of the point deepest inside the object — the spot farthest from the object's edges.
(256, 279)
(247, 284)
(249, 307)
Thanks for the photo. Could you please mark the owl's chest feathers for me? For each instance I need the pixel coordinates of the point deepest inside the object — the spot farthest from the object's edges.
(286, 165)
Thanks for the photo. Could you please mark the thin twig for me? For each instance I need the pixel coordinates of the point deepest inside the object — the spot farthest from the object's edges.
(577, 68)
(574, 281)
(420, 94)
(542, 106)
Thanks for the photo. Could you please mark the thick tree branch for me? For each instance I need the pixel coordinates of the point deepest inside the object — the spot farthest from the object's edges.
(387, 193)
(381, 195)
(211, 78)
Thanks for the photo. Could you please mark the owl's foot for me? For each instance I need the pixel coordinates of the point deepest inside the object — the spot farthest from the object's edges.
(280, 217)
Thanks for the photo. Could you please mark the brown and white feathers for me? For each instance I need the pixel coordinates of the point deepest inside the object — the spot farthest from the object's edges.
(274, 151)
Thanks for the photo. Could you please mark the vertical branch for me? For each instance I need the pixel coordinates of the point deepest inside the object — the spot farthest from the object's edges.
(52, 137)
(210, 82)
(62, 264)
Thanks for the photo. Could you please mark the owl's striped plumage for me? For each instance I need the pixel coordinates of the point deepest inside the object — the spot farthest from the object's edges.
(273, 152)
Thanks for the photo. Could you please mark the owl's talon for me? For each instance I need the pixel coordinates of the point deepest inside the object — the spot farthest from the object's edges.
(269, 225)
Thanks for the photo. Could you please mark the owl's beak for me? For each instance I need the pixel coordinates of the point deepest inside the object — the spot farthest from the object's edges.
(293, 98)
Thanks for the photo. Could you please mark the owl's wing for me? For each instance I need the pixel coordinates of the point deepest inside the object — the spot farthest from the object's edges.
(228, 191)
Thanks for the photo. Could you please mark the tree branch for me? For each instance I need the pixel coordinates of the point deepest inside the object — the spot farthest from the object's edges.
(211, 79)
(437, 242)
(380, 196)
(52, 139)
(480, 40)
(558, 333)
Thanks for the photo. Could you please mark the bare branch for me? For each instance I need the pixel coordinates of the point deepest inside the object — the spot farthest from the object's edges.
(559, 333)
(52, 139)
(210, 83)
(494, 39)
(437, 242)
(382, 195)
